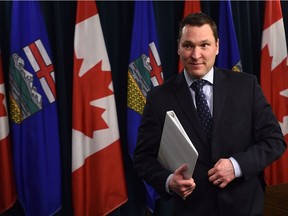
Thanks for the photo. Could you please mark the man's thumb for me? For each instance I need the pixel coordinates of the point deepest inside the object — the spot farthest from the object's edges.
(181, 169)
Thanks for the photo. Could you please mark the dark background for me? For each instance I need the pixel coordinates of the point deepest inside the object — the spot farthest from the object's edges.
(116, 20)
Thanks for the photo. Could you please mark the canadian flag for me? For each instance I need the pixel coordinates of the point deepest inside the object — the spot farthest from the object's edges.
(7, 184)
(98, 181)
(189, 7)
(274, 81)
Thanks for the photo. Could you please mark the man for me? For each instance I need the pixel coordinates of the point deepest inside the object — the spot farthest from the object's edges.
(245, 136)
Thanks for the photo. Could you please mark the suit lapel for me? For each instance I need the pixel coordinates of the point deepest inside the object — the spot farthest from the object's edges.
(185, 100)
(220, 89)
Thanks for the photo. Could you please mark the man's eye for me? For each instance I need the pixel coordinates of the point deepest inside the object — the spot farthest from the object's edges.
(187, 46)
(204, 45)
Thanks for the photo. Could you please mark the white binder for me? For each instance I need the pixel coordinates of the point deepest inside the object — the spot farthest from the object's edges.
(176, 148)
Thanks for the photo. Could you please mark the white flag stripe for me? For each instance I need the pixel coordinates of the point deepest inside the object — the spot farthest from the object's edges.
(4, 132)
(31, 58)
(46, 88)
(155, 53)
(43, 52)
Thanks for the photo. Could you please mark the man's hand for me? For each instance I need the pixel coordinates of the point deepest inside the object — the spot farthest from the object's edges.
(222, 173)
(179, 185)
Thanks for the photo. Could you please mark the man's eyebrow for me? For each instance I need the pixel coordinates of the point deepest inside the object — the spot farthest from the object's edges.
(205, 41)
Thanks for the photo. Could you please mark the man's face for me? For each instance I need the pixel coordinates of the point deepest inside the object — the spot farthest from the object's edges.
(198, 49)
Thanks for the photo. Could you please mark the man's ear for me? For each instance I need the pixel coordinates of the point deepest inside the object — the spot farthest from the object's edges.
(217, 47)
(178, 46)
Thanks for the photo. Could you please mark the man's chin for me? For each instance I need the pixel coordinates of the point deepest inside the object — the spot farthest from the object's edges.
(197, 73)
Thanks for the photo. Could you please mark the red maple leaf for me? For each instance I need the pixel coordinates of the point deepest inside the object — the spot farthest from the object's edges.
(91, 86)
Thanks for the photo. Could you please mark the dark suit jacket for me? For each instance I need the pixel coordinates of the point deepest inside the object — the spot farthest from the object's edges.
(244, 127)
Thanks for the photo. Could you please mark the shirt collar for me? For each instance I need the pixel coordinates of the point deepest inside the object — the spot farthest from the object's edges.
(208, 77)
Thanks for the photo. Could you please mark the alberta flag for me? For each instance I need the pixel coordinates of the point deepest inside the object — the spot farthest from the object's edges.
(34, 121)
(228, 56)
(144, 72)
(274, 81)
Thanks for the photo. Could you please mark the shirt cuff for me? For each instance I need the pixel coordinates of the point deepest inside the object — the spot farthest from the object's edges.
(236, 166)
(167, 184)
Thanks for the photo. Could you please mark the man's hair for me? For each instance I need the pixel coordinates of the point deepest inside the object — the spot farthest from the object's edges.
(198, 19)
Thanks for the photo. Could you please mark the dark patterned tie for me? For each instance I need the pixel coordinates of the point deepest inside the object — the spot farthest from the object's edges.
(202, 106)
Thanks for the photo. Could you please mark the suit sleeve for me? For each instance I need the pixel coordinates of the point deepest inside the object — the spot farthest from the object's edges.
(148, 141)
(269, 142)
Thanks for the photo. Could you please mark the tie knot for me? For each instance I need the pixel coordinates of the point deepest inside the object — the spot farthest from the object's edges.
(198, 85)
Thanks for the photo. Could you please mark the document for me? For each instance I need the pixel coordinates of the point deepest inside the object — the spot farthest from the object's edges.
(176, 148)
